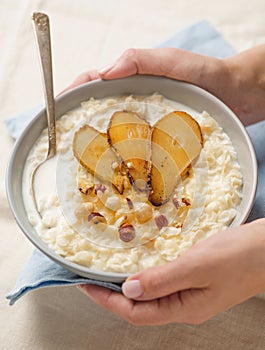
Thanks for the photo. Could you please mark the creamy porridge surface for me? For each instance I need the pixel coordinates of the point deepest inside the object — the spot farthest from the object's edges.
(204, 202)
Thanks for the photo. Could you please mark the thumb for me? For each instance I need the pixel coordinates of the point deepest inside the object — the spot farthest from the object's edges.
(170, 62)
(160, 281)
(139, 61)
(126, 65)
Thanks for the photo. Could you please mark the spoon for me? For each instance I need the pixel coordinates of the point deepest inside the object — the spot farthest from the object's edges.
(42, 33)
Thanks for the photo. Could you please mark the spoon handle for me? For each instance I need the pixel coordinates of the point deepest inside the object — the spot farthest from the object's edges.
(42, 32)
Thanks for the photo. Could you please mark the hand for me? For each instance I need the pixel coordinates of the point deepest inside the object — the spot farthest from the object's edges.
(212, 276)
(238, 81)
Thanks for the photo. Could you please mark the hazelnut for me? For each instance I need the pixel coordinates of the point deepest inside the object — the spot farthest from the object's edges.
(130, 203)
(100, 188)
(161, 221)
(126, 232)
(175, 202)
(97, 218)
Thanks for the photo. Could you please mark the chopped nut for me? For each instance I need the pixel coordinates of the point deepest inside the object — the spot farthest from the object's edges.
(86, 188)
(161, 221)
(144, 213)
(186, 201)
(118, 183)
(126, 232)
(183, 210)
(100, 188)
(122, 169)
(175, 202)
(96, 218)
(130, 203)
(121, 181)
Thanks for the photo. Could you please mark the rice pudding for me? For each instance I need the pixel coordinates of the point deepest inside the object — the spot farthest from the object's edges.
(87, 222)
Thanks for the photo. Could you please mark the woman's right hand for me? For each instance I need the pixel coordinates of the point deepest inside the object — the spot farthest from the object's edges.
(212, 276)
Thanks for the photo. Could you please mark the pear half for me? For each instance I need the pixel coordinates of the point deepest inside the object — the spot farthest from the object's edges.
(130, 136)
(176, 142)
(91, 148)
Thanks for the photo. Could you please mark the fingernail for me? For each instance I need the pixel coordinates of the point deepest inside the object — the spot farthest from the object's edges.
(132, 289)
(104, 70)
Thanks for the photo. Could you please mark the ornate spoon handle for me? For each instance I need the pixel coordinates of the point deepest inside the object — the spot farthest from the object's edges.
(42, 32)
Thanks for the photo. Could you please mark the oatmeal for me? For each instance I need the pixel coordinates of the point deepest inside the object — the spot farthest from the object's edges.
(90, 222)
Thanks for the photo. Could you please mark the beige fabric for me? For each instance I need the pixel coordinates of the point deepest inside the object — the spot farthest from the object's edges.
(89, 34)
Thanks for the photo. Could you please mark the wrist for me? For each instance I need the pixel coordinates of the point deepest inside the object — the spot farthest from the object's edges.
(247, 79)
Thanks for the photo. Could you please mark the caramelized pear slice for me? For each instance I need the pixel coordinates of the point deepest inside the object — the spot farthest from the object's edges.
(91, 148)
(176, 142)
(130, 137)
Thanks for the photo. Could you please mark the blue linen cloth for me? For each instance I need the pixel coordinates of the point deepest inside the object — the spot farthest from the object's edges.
(40, 271)
(201, 38)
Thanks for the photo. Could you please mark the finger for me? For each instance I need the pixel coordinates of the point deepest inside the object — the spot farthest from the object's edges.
(190, 307)
(82, 79)
(154, 312)
(112, 301)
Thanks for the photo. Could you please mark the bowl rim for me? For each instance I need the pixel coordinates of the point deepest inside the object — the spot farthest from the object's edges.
(80, 269)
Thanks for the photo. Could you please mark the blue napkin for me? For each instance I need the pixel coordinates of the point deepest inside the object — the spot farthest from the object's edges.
(40, 271)
(257, 135)
(201, 38)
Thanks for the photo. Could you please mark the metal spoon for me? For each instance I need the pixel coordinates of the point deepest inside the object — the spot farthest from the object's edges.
(42, 32)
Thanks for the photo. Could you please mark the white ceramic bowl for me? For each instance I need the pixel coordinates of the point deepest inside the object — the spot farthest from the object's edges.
(187, 94)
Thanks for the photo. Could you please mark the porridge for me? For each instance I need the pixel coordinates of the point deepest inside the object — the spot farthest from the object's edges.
(93, 210)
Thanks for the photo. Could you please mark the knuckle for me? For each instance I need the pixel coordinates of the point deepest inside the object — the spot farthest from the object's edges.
(93, 74)
(131, 53)
(133, 58)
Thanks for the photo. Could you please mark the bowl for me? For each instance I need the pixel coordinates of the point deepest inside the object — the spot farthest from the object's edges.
(185, 93)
